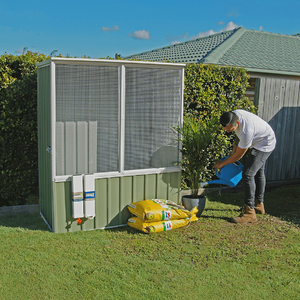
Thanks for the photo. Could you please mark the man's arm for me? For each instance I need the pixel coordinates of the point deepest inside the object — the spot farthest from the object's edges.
(237, 154)
(235, 144)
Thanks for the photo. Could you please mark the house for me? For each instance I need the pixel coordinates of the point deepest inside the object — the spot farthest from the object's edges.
(273, 63)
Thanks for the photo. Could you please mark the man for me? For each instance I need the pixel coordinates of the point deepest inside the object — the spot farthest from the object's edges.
(254, 133)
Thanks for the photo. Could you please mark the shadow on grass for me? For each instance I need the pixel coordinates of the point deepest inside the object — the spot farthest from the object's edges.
(282, 201)
(127, 229)
(227, 219)
(26, 221)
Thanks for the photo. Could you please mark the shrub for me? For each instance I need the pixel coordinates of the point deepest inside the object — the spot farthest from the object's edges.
(18, 128)
(209, 91)
(197, 138)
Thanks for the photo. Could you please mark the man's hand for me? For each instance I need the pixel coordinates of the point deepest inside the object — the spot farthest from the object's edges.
(237, 155)
(218, 164)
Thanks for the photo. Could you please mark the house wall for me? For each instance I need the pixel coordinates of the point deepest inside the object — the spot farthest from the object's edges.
(279, 105)
(252, 91)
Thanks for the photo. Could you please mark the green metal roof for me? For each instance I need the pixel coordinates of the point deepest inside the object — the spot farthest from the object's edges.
(254, 50)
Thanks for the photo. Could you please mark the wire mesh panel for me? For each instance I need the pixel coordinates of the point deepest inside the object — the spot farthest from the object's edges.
(152, 108)
(87, 112)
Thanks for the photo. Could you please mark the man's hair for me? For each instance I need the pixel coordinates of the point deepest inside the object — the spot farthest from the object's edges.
(227, 118)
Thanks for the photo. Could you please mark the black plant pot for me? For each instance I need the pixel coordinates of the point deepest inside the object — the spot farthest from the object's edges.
(189, 202)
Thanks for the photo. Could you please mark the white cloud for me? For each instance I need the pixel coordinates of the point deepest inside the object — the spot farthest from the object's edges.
(140, 35)
(114, 28)
(206, 33)
(221, 23)
(202, 34)
(260, 28)
(229, 26)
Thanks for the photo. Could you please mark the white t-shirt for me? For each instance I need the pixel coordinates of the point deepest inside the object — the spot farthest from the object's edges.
(254, 132)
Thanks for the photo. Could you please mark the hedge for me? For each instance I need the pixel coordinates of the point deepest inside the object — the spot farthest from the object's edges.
(18, 128)
(209, 90)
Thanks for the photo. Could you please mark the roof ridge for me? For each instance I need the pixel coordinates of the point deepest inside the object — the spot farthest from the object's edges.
(215, 54)
(207, 36)
(186, 42)
(292, 36)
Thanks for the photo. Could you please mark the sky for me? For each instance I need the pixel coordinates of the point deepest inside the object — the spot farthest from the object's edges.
(100, 29)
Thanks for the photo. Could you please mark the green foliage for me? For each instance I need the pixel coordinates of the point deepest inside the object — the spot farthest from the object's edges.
(18, 128)
(209, 91)
(197, 139)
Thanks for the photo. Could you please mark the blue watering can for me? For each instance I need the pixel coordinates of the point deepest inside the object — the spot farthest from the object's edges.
(229, 175)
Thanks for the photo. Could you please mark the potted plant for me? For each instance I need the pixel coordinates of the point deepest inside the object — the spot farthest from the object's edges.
(196, 137)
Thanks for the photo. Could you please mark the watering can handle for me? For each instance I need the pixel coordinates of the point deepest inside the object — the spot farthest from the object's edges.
(216, 170)
(237, 163)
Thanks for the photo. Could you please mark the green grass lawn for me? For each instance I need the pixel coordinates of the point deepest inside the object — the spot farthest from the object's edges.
(212, 259)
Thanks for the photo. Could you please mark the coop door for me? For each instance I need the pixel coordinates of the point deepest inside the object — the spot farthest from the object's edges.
(87, 112)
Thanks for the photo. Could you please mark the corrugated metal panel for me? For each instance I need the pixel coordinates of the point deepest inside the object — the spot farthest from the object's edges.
(126, 196)
(76, 147)
(174, 185)
(44, 141)
(62, 208)
(101, 195)
(279, 105)
(112, 197)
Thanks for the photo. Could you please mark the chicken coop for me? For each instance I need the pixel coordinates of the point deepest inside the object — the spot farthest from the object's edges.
(106, 139)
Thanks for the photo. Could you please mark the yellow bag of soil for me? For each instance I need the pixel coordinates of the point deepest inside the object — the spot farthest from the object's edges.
(152, 227)
(153, 210)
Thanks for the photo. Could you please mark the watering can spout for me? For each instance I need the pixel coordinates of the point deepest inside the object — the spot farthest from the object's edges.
(229, 175)
(217, 181)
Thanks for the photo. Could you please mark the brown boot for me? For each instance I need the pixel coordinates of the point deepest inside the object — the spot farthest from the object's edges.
(247, 216)
(259, 207)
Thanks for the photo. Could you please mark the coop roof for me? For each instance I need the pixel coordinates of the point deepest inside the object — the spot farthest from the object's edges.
(257, 51)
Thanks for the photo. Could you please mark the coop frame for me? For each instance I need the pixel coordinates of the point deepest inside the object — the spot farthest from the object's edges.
(55, 189)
